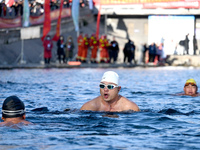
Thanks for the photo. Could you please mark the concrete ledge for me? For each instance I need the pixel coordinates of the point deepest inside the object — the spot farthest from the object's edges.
(173, 60)
(184, 60)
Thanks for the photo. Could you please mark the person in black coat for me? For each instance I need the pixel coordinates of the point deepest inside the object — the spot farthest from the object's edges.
(152, 52)
(144, 50)
(195, 46)
(60, 49)
(129, 51)
(113, 50)
(187, 44)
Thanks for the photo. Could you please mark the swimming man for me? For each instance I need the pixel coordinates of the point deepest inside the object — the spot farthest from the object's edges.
(110, 100)
(190, 88)
(13, 112)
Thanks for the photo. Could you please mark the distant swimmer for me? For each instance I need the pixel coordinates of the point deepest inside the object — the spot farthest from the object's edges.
(110, 100)
(13, 112)
(190, 88)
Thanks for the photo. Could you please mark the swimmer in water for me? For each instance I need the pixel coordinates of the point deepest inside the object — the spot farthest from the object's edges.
(13, 112)
(190, 88)
(110, 100)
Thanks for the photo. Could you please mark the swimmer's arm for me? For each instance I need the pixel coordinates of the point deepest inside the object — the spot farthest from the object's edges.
(135, 107)
(132, 106)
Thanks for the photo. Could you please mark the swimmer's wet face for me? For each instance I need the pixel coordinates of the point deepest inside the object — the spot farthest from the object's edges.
(190, 89)
(109, 86)
(109, 94)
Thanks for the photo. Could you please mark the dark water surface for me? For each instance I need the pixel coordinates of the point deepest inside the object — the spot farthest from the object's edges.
(166, 121)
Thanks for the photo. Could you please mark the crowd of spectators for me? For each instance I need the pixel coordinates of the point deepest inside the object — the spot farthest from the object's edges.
(36, 7)
(102, 50)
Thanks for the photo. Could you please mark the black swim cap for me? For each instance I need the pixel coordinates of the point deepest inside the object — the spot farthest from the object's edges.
(13, 107)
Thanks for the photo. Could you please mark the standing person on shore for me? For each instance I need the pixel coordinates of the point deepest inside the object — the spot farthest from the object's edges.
(110, 100)
(94, 48)
(113, 50)
(195, 46)
(48, 45)
(152, 52)
(13, 112)
(103, 47)
(186, 44)
(129, 51)
(85, 48)
(69, 49)
(159, 51)
(80, 46)
(144, 51)
(60, 49)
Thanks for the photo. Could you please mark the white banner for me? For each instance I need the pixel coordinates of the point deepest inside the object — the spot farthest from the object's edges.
(75, 14)
(30, 33)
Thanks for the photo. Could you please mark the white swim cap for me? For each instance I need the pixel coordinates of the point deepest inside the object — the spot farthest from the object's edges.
(110, 76)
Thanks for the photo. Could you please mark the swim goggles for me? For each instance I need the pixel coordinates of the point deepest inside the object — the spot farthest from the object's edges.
(11, 113)
(109, 86)
(193, 84)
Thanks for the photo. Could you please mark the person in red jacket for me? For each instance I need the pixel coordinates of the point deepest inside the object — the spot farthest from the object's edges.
(94, 45)
(85, 48)
(80, 46)
(103, 47)
(48, 45)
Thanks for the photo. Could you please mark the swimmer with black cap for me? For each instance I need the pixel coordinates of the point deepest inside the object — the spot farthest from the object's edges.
(110, 100)
(13, 112)
(190, 88)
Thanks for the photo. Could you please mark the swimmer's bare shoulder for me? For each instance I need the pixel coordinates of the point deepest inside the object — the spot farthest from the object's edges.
(92, 105)
(2, 124)
(183, 94)
(11, 123)
(27, 122)
(128, 104)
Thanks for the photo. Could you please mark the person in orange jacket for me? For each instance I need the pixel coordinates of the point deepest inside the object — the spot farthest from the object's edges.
(48, 45)
(80, 46)
(85, 48)
(103, 47)
(94, 45)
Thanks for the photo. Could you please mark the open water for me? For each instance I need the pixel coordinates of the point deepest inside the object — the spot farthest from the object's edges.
(166, 121)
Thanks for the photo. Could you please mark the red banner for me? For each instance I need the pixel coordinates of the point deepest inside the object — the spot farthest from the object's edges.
(56, 36)
(47, 19)
(127, 2)
(152, 4)
(35, 20)
(10, 3)
(10, 23)
(173, 5)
